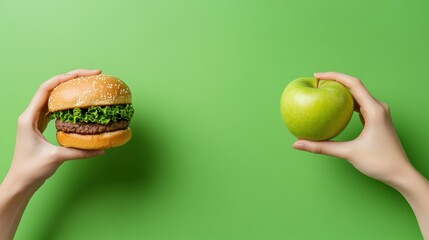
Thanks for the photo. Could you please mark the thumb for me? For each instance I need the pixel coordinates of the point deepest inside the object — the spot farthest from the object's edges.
(336, 149)
(65, 153)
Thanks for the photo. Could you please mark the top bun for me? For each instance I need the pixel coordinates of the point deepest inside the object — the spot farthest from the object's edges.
(86, 91)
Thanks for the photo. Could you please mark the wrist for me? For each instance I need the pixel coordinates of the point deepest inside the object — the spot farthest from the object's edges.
(15, 184)
(410, 183)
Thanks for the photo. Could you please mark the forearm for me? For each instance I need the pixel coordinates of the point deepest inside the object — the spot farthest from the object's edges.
(14, 197)
(415, 189)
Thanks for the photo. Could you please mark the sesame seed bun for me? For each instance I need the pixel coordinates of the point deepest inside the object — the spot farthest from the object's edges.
(86, 91)
(92, 142)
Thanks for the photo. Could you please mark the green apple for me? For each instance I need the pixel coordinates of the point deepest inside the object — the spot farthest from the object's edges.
(316, 109)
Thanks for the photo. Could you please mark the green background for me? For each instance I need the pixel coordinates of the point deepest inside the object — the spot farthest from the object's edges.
(210, 157)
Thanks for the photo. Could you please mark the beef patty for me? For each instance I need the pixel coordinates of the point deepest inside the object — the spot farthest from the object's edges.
(91, 128)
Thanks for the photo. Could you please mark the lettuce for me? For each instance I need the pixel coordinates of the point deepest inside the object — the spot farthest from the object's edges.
(95, 114)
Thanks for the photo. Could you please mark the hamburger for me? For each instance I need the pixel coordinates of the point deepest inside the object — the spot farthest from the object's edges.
(92, 112)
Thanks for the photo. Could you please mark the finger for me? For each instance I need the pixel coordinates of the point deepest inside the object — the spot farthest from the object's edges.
(65, 153)
(85, 72)
(358, 90)
(332, 148)
(40, 99)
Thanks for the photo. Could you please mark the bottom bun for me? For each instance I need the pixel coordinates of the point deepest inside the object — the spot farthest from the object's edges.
(96, 141)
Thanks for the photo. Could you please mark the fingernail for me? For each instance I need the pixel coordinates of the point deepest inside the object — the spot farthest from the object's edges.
(299, 145)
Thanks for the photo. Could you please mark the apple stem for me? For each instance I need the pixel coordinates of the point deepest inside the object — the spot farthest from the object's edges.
(317, 83)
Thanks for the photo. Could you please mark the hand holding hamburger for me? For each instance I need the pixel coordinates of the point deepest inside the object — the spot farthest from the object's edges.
(92, 112)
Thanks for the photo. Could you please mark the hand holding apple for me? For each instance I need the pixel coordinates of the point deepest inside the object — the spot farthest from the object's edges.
(377, 151)
(316, 109)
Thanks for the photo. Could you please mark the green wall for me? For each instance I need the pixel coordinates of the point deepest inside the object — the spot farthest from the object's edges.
(211, 157)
